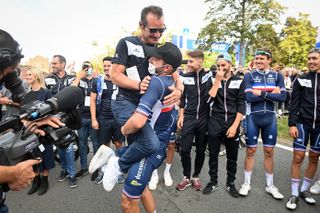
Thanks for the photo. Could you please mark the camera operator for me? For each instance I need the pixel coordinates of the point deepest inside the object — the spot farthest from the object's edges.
(20, 175)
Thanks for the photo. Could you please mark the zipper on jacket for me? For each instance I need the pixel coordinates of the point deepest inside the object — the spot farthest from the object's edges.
(265, 89)
(315, 101)
(225, 100)
(198, 106)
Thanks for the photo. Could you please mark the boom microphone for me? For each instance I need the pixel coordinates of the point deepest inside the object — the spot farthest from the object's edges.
(67, 99)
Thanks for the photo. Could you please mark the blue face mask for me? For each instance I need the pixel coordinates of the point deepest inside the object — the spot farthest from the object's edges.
(89, 72)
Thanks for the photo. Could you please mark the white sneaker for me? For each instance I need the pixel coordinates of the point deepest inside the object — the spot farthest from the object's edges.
(244, 190)
(100, 158)
(111, 173)
(315, 189)
(274, 191)
(167, 179)
(153, 181)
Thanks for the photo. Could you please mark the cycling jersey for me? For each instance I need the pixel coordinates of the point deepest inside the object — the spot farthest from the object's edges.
(266, 82)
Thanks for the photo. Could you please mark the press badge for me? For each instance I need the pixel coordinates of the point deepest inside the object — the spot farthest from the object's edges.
(87, 101)
(305, 82)
(235, 84)
(133, 73)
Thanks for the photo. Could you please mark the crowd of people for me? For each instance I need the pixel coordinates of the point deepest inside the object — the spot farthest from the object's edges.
(145, 96)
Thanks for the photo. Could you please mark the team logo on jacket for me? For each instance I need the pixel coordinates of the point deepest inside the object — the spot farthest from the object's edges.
(135, 183)
(257, 79)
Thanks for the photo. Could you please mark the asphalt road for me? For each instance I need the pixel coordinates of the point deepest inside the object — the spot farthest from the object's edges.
(89, 197)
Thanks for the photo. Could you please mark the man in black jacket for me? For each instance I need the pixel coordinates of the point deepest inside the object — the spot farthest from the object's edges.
(304, 123)
(193, 119)
(227, 93)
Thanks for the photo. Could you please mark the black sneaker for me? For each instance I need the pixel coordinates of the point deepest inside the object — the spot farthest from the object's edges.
(306, 196)
(94, 175)
(62, 176)
(81, 173)
(292, 202)
(232, 190)
(72, 182)
(210, 187)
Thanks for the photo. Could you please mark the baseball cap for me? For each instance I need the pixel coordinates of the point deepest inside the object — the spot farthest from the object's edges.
(224, 56)
(167, 51)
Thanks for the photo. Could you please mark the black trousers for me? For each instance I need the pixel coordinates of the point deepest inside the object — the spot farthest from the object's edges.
(193, 129)
(217, 130)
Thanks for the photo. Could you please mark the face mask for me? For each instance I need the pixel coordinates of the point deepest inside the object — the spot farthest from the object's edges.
(152, 69)
(89, 72)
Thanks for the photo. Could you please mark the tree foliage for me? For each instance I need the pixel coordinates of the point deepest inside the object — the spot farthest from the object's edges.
(235, 21)
(298, 37)
(266, 37)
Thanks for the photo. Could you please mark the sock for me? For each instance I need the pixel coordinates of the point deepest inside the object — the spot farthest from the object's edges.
(167, 169)
(306, 184)
(295, 187)
(269, 179)
(247, 176)
(155, 172)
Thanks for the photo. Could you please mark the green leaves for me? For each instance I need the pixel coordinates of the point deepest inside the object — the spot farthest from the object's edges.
(298, 37)
(236, 20)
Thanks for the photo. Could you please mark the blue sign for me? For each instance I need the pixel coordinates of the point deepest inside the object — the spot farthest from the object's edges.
(318, 45)
(220, 47)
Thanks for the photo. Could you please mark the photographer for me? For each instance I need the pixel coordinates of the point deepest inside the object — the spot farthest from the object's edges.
(20, 175)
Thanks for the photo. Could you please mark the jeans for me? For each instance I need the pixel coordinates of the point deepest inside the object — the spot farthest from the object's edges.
(67, 160)
(142, 143)
(4, 209)
(83, 134)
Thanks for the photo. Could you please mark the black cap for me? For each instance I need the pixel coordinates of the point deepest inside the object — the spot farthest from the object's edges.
(167, 51)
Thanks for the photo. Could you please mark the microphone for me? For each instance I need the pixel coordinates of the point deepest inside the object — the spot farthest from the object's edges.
(67, 99)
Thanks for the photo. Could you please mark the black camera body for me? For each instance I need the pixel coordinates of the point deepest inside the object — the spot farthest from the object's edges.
(18, 143)
(13, 153)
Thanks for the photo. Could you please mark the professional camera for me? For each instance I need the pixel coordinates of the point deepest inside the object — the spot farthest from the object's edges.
(18, 143)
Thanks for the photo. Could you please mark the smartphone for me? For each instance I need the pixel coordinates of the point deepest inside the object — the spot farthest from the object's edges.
(85, 66)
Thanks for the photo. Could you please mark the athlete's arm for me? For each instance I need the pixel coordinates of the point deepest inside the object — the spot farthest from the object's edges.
(177, 90)
(144, 109)
(120, 79)
(250, 97)
(93, 104)
(135, 122)
(217, 82)
(233, 128)
(295, 103)
(280, 97)
(76, 81)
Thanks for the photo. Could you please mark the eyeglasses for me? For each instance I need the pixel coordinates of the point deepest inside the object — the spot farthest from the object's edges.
(262, 52)
(315, 50)
(155, 30)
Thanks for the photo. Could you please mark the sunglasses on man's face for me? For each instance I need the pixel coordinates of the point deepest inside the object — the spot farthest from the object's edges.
(155, 30)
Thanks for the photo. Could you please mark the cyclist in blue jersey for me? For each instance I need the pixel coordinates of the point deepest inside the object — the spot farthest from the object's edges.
(263, 87)
(304, 123)
(151, 110)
